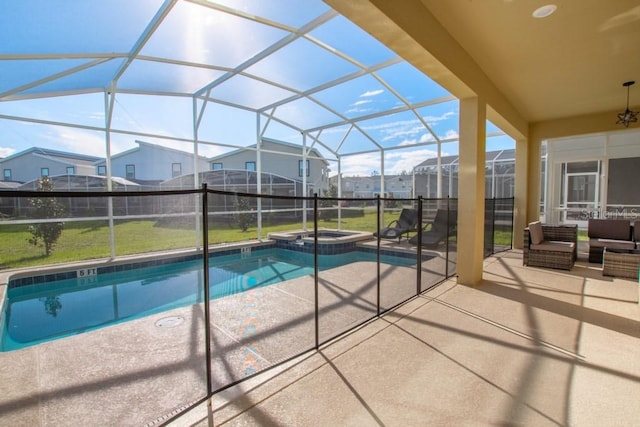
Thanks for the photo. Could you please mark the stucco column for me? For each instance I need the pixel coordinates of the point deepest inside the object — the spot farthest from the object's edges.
(520, 193)
(471, 184)
(534, 166)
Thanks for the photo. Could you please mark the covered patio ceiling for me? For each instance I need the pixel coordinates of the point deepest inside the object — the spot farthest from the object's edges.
(564, 71)
(222, 73)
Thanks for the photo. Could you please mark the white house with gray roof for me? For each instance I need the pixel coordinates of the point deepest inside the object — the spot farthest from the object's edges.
(395, 186)
(36, 162)
(151, 163)
(280, 158)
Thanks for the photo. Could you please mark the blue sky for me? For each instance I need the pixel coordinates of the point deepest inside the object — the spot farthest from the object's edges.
(179, 59)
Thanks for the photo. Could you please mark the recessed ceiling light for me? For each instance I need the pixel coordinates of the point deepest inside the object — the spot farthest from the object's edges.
(544, 11)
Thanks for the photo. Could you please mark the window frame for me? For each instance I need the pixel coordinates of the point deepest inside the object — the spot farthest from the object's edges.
(300, 168)
(126, 171)
(174, 172)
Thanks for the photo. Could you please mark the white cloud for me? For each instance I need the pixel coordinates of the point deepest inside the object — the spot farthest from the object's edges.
(6, 151)
(372, 93)
(399, 161)
(360, 165)
(442, 117)
(403, 132)
(427, 137)
(76, 140)
(411, 131)
(392, 125)
(451, 134)
(357, 110)
(356, 107)
(410, 142)
(395, 162)
(211, 150)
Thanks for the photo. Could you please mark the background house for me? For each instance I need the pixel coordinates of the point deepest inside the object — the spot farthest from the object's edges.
(36, 162)
(499, 175)
(280, 158)
(357, 187)
(150, 164)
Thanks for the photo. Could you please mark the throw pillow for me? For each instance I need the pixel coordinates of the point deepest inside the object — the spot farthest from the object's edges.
(535, 230)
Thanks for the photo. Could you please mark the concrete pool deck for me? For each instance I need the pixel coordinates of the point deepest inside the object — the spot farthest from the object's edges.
(138, 372)
(527, 347)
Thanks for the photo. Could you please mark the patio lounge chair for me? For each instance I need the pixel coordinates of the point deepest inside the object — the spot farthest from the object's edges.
(407, 222)
(435, 232)
(550, 246)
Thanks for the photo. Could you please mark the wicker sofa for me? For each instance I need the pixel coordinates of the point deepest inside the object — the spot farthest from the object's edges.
(609, 233)
(550, 246)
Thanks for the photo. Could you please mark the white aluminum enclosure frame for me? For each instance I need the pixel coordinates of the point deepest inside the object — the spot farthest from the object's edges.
(72, 66)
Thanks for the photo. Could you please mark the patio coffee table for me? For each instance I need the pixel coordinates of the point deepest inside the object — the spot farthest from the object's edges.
(621, 263)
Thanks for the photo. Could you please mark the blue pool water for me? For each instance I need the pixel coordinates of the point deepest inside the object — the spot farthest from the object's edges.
(37, 313)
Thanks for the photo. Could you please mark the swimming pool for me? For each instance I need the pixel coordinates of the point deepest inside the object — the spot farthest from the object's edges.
(41, 312)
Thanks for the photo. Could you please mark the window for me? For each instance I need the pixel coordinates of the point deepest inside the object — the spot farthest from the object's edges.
(620, 191)
(44, 171)
(176, 169)
(579, 190)
(250, 166)
(7, 174)
(300, 168)
(130, 171)
(216, 166)
(71, 170)
(102, 170)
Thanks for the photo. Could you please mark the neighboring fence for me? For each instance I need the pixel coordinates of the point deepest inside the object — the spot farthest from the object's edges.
(498, 219)
(227, 340)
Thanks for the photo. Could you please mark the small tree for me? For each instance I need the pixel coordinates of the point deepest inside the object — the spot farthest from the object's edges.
(243, 216)
(47, 233)
(331, 192)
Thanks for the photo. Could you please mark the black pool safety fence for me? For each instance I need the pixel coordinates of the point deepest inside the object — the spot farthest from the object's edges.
(276, 277)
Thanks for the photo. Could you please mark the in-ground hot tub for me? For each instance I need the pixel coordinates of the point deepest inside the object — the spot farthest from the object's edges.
(330, 241)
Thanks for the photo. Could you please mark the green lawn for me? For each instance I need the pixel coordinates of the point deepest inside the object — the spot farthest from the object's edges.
(90, 239)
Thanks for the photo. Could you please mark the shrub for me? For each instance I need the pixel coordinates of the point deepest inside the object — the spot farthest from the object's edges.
(47, 233)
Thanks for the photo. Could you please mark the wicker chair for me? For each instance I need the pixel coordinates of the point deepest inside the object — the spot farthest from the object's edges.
(557, 249)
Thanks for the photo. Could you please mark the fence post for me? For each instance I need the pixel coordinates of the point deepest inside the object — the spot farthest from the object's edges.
(419, 251)
(378, 226)
(207, 313)
(315, 267)
(446, 242)
(493, 226)
(513, 202)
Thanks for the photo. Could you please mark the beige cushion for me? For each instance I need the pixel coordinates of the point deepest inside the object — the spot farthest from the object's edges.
(554, 246)
(535, 231)
(613, 244)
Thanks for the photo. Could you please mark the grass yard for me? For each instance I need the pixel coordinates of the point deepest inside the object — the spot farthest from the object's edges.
(85, 240)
